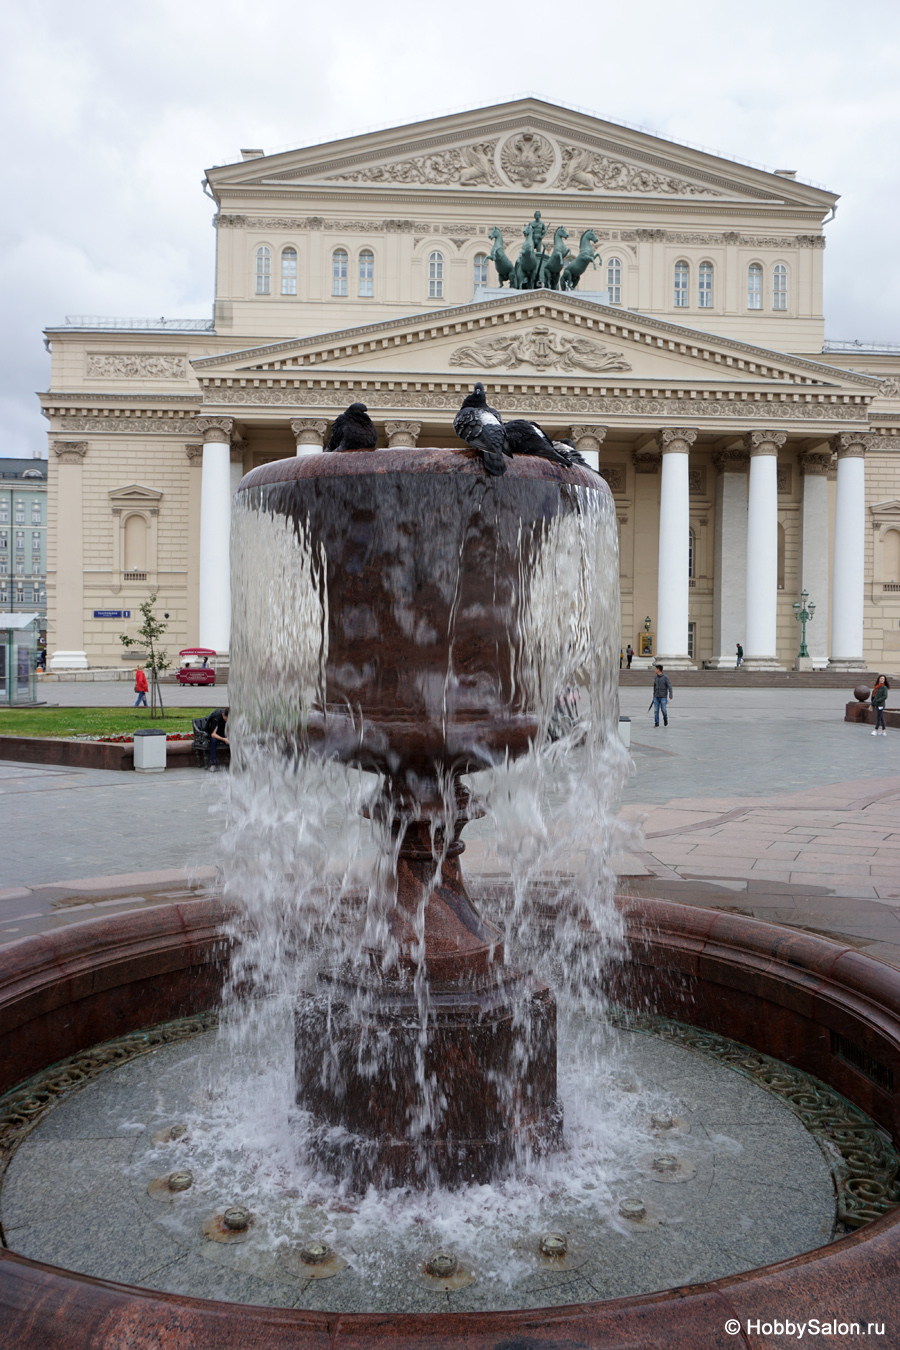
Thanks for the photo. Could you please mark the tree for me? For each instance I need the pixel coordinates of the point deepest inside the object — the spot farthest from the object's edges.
(148, 637)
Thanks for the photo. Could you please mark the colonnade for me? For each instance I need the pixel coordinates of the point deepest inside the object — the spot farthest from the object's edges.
(745, 597)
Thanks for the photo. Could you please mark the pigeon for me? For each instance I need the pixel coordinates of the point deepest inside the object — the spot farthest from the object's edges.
(527, 438)
(353, 430)
(482, 428)
(576, 457)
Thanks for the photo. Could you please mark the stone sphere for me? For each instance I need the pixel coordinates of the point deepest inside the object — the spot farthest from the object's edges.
(861, 692)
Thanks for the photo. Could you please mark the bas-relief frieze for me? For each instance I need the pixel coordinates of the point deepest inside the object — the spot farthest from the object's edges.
(142, 426)
(714, 409)
(587, 171)
(137, 366)
(614, 475)
(295, 223)
(539, 347)
(463, 167)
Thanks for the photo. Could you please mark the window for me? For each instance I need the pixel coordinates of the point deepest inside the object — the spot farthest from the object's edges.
(681, 285)
(781, 556)
(704, 294)
(691, 546)
(35, 513)
(20, 566)
(481, 275)
(339, 272)
(20, 513)
(4, 513)
(20, 541)
(36, 539)
(263, 270)
(135, 544)
(288, 271)
(692, 640)
(367, 272)
(890, 557)
(435, 276)
(614, 281)
(754, 286)
(779, 286)
(4, 539)
(35, 567)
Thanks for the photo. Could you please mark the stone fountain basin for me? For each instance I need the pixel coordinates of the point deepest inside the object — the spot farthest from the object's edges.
(784, 993)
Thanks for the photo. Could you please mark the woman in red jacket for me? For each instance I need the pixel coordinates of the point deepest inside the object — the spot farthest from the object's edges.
(140, 688)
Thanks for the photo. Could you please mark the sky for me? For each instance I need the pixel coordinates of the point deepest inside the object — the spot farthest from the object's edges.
(113, 111)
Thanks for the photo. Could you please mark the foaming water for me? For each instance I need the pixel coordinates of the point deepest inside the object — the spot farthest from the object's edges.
(310, 859)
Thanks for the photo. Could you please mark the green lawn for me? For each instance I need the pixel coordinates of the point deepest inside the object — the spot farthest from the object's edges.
(91, 721)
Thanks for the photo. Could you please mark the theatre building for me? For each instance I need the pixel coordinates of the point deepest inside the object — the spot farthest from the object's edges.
(748, 458)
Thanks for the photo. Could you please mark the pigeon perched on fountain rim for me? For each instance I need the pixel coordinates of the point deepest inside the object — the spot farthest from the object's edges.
(527, 438)
(481, 427)
(353, 430)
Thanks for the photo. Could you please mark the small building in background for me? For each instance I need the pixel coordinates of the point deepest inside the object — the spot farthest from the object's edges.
(23, 538)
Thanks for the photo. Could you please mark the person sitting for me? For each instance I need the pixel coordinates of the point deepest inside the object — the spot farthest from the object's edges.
(217, 726)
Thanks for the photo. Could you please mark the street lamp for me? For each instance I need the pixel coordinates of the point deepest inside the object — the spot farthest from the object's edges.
(804, 609)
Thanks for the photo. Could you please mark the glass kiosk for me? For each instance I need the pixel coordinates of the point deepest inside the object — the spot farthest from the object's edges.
(18, 658)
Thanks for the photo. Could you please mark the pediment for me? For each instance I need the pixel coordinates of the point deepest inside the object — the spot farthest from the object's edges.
(134, 494)
(891, 508)
(531, 334)
(524, 146)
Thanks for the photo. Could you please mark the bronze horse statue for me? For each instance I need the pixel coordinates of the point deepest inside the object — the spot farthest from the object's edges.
(528, 261)
(505, 267)
(574, 270)
(551, 264)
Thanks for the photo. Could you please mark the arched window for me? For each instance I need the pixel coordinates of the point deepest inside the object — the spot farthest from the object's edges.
(614, 281)
(890, 557)
(704, 292)
(754, 286)
(367, 272)
(779, 286)
(682, 279)
(135, 544)
(339, 272)
(289, 271)
(481, 275)
(781, 556)
(435, 276)
(692, 547)
(263, 270)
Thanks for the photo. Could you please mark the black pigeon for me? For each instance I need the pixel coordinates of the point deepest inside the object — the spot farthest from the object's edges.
(576, 457)
(482, 428)
(353, 430)
(527, 438)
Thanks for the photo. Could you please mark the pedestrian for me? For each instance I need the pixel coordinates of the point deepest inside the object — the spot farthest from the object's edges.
(140, 688)
(662, 692)
(629, 653)
(621, 658)
(217, 727)
(740, 655)
(879, 699)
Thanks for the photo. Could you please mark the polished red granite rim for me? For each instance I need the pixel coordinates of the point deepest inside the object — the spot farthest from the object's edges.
(830, 1010)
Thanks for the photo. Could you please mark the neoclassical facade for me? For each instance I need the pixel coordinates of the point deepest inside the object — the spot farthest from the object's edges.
(749, 460)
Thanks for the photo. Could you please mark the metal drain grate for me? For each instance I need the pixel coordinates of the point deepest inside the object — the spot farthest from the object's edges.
(855, 1055)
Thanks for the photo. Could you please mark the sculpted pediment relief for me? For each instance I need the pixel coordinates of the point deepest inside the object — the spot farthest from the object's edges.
(539, 347)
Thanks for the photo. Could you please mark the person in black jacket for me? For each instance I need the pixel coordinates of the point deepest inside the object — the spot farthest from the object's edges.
(662, 692)
(217, 727)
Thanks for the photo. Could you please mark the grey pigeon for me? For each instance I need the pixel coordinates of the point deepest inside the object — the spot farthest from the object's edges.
(353, 430)
(482, 428)
(527, 438)
(576, 457)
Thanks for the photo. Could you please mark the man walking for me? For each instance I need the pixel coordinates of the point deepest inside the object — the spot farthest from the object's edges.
(662, 692)
(629, 654)
(740, 655)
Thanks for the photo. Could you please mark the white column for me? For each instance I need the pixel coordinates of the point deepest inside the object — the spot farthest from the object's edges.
(309, 433)
(67, 606)
(761, 646)
(730, 575)
(215, 533)
(848, 575)
(814, 466)
(588, 440)
(403, 435)
(672, 589)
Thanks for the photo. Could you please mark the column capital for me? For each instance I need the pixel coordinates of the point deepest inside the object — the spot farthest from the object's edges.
(309, 430)
(734, 460)
(676, 440)
(764, 442)
(216, 429)
(402, 435)
(238, 448)
(70, 452)
(588, 436)
(645, 461)
(851, 444)
(195, 455)
(814, 462)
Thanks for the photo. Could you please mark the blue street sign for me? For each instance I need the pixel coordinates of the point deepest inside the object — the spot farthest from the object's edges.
(112, 613)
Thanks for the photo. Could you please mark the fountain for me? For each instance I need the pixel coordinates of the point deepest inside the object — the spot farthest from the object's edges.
(403, 630)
